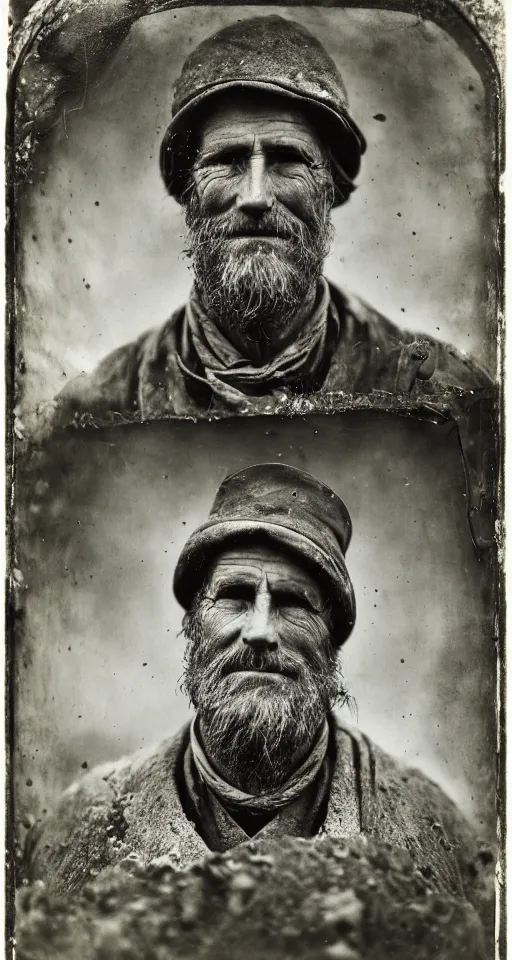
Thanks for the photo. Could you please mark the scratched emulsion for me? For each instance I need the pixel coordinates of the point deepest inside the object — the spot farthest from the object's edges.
(103, 243)
(99, 662)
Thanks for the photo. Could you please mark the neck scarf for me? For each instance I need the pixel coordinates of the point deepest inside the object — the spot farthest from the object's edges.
(230, 376)
(271, 800)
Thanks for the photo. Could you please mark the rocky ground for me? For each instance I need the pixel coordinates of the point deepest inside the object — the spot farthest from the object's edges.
(307, 900)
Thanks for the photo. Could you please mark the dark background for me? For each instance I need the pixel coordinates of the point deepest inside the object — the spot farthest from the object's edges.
(100, 659)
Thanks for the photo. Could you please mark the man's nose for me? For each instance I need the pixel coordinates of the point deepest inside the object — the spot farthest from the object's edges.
(258, 631)
(255, 195)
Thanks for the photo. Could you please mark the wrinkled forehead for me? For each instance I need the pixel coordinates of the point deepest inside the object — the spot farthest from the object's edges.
(235, 113)
(252, 562)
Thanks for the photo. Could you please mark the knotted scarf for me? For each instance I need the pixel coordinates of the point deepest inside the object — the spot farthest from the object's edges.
(271, 800)
(229, 374)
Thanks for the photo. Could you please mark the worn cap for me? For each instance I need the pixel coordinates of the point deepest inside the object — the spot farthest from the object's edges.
(269, 54)
(285, 507)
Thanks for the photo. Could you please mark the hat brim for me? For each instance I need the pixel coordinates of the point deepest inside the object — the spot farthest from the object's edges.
(340, 133)
(210, 539)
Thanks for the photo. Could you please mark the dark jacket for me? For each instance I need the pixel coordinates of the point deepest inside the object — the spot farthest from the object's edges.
(144, 379)
(134, 807)
(369, 362)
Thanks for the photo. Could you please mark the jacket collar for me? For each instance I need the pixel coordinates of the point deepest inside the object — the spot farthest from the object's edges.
(158, 825)
(392, 804)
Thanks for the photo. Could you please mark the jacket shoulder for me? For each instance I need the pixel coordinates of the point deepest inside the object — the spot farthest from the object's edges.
(389, 775)
(69, 846)
(367, 320)
(405, 807)
(437, 365)
(446, 829)
(86, 830)
(112, 387)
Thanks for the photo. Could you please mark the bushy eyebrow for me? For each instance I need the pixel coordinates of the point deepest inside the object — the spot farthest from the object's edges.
(245, 146)
(222, 578)
(296, 149)
(301, 592)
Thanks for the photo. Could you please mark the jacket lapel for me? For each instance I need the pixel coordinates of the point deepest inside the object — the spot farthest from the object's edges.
(343, 818)
(156, 823)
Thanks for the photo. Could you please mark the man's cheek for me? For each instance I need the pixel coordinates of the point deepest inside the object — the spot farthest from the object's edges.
(221, 622)
(304, 633)
(298, 616)
(296, 626)
(298, 193)
(215, 189)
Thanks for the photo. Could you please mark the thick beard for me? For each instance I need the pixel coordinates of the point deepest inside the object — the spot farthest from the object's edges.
(257, 731)
(257, 286)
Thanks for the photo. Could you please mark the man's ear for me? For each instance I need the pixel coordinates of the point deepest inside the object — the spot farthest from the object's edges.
(327, 614)
(342, 187)
(176, 162)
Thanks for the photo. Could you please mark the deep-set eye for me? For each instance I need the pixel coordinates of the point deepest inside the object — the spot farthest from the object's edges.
(235, 157)
(237, 592)
(287, 598)
(285, 155)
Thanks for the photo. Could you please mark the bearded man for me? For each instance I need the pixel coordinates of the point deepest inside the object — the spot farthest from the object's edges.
(260, 148)
(269, 603)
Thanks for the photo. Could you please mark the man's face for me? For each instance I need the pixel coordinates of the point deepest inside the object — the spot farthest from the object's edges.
(259, 207)
(261, 668)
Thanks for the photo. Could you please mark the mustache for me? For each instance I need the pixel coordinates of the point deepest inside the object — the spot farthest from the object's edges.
(261, 662)
(312, 668)
(272, 224)
(285, 663)
(278, 223)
